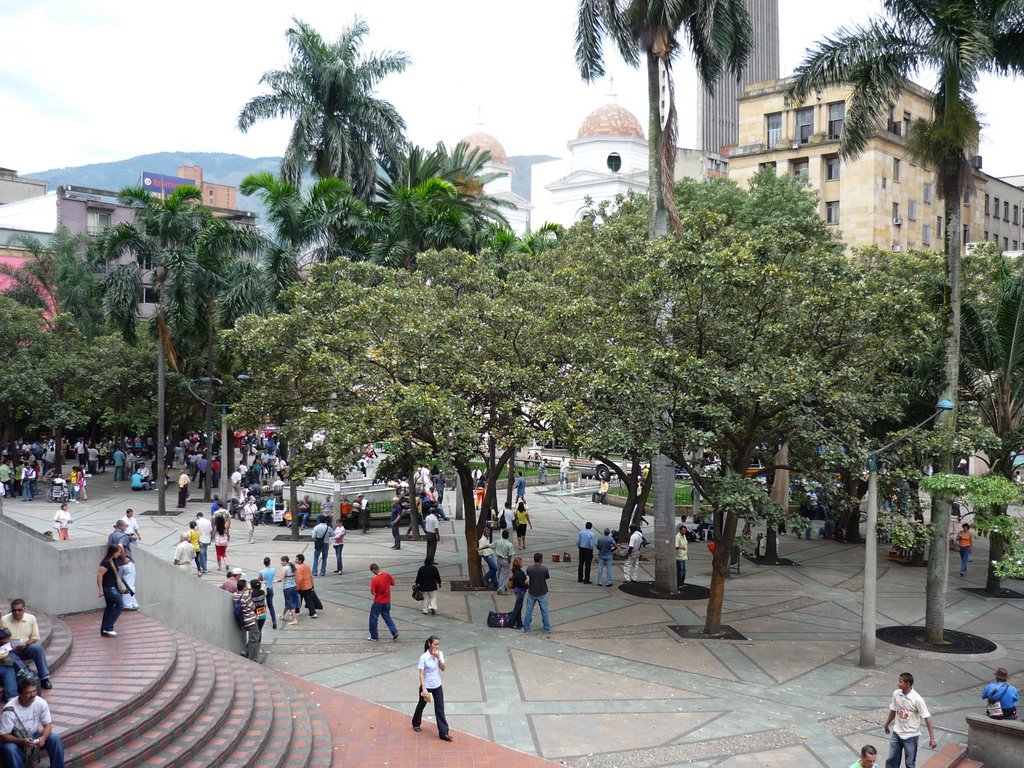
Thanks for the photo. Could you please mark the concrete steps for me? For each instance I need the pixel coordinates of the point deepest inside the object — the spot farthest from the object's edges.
(952, 756)
(156, 697)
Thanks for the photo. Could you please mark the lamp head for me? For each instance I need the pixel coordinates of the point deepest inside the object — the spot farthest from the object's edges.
(944, 405)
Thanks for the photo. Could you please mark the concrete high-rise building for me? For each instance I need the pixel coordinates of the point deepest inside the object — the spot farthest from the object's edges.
(718, 116)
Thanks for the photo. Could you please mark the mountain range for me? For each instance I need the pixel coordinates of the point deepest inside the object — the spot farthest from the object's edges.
(218, 168)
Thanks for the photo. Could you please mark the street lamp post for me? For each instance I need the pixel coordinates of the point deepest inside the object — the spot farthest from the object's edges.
(225, 446)
(870, 598)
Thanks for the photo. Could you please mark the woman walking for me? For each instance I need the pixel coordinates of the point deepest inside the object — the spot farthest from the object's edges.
(430, 666)
(106, 585)
(61, 521)
(429, 580)
(221, 537)
(291, 595)
(519, 583)
(269, 576)
(339, 543)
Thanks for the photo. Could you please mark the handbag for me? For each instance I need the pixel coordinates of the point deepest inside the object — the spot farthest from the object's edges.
(121, 586)
(417, 594)
(995, 706)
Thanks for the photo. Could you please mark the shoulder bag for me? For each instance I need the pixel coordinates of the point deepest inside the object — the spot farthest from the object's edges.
(995, 706)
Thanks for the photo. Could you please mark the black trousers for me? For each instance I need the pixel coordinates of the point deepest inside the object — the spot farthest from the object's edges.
(583, 569)
(438, 696)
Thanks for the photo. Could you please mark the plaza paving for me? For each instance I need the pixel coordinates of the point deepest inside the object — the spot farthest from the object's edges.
(612, 685)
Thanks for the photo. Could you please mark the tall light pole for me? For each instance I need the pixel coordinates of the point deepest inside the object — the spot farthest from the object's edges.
(867, 617)
(225, 446)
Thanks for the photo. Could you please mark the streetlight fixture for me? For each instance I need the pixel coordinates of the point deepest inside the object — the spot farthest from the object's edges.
(225, 446)
(867, 620)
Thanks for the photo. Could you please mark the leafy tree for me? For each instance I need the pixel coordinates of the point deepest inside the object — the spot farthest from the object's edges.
(719, 36)
(341, 127)
(445, 359)
(960, 40)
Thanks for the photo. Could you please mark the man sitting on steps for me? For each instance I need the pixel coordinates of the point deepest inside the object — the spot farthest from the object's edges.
(25, 639)
(30, 717)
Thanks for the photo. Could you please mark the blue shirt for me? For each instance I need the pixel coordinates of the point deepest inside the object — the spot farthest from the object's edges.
(268, 575)
(521, 486)
(605, 546)
(1007, 694)
(586, 539)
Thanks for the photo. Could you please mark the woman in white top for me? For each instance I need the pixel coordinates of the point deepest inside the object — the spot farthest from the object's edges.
(431, 665)
(61, 521)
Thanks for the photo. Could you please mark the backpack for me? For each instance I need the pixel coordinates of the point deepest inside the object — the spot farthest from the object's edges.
(502, 520)
(497, 620)
(238, 614)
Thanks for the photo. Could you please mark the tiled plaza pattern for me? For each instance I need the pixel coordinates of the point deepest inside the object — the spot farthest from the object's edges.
(612, 686)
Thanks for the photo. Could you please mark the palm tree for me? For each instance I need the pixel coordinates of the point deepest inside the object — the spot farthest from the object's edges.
(325, 223)
(718, 32)
(992, 379)
(341, 127)
(959, 40)
(57, 277)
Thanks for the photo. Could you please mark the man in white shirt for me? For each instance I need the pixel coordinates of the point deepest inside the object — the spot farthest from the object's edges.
(906, 711)
(133, 525)
(32, 713)
(205, 528)
(236, 483)
(249, 515)
(433, 528)
(631, 568)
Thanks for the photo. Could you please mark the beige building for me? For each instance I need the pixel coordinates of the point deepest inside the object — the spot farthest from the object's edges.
(214, 195)
(1004, 213)
(880, 198)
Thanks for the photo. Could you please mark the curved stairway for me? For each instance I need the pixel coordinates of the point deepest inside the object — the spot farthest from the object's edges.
(154, 697)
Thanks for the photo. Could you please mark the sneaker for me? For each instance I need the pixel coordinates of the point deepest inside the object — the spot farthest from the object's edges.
(394, 636)
(111, 633)
(315, 615)
(425, 611)
(433, 611)
(371, 639)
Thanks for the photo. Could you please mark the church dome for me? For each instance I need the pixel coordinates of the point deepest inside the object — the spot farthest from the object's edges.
(611, 120)
(483, 140)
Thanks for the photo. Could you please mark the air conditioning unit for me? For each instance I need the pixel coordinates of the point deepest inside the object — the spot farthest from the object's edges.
(896, 247)
(897, 222)
(975, 162)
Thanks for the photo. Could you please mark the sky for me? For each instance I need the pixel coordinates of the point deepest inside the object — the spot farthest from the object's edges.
(89, 81)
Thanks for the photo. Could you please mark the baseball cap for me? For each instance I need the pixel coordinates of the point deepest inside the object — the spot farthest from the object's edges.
(235, 572)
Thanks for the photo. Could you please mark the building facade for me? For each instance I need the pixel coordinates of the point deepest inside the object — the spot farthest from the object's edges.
(880, 198)
(718, 111)
(517, 212)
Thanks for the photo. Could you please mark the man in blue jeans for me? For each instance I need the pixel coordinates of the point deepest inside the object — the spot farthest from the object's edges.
(380, 587)
(33, 714)
(906, 711)
(537, 592)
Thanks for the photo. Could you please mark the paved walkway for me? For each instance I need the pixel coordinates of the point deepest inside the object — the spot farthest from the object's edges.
(612, 685)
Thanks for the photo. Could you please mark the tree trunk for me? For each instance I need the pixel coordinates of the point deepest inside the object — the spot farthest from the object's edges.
(208, 405)
(657, 220)
(630, 480)
(997, 546)
(511, 485)
(161, 417)
(780, 495)
(414, 507)
(938, 559)
(664, 475)
(720, 572)
(470, 531)
(293, 505)
(851, 522)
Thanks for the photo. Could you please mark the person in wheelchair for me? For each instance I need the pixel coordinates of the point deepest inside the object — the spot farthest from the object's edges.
(58, 490)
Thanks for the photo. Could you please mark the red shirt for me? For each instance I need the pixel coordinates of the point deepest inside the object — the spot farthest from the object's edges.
(380, 586)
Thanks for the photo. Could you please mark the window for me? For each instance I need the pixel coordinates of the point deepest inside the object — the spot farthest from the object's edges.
(832, 212)
(926, 235)
(804, 124)
(1015, 245)
(967, 197)
(938, 227)
(96, 221)
(928, 192)
(995, 207)
(986, 235)
(773, 124)
(906, 124)
(1006, 243)
(995, 238)
(614, 162)
(912, 210)
(1006, 211)
(967, 234)
(885, 182)
(832, 168)
(149, 295)
(836, 116)
(800, 167)
(895, 169)
(145, 262)
(1016, 215)
(762, 166)
(896, 214)
(892, 126)
(986, 207)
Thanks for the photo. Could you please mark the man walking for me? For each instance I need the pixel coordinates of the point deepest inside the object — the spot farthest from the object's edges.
(363, 507)
(380, 588)
(205, 528)
(631, 568)
(119, 538)
(433, 528)
(907, 709)
(322, 536)
(585, 541)
(504, 551)
(520, 487)
(183, 482)
(605, 553)
(681, 555)
(537, 592)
